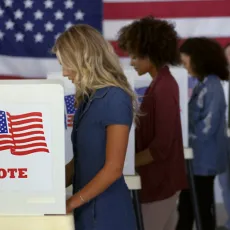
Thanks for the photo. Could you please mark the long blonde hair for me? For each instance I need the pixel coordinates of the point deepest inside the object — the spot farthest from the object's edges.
(83, 50)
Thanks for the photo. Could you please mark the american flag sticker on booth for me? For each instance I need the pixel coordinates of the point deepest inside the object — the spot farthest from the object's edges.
(70, 109)
(22, 134)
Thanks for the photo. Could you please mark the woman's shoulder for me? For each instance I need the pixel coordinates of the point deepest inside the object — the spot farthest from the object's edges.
(167, 86)
(117, 90)
(118, 107)
(212, 80)
(117, 93)
(213, 85)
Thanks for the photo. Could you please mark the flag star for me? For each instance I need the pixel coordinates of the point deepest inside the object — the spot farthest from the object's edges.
(49, 26)
(28, 3)
(59, 15)
(19, 37)
(1, 12)
(39, 37)
(79, 15)
(28, 26)
(68, 25)
(1, 35)
(18, 14)
(48, 4)
(9, 25)
(38, 15)
(69, 4)
(8, 3)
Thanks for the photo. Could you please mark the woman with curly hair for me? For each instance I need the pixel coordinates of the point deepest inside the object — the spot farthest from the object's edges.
(152, 46)
(205, 60)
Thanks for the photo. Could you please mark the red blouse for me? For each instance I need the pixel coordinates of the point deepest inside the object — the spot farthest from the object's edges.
(159, 129)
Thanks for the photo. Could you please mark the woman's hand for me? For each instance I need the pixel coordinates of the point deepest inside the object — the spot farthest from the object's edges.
(73, 202)
(70, 205)
(143, 158)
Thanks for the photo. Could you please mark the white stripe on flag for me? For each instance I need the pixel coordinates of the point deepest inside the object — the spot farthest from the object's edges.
(28, 67)
(35, 67)
(186, 27)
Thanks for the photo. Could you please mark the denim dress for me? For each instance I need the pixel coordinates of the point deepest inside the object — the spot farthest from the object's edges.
(208, 128)
(112, 209)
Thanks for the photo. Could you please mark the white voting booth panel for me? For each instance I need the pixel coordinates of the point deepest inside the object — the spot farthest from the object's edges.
(32, 161)
(70, 91)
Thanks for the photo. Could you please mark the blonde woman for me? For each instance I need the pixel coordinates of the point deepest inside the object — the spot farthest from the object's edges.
(106, 108)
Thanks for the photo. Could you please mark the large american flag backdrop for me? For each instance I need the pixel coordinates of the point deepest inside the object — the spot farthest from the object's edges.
(28, 28)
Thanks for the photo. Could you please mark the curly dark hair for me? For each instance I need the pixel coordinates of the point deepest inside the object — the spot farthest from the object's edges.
(152, 38)
(207, 57)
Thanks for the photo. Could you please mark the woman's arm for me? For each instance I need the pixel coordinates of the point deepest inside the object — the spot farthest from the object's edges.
(69, 171)
(116, 146)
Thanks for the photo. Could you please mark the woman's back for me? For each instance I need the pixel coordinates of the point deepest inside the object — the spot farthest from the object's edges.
(160, 130)
(207, 126)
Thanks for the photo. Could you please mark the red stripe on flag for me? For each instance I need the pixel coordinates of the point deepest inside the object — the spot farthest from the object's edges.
(6, 136)
(5, 147)
(26, 115)
(28, 133)
(27, 152)
(222, 41)
(5, 142)
(28, 120)
(27, 140)
(70, 120)
(31, 145)
(27, 127)
(172, 9)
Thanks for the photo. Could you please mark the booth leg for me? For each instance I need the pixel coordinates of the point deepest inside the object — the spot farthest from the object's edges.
(214, 211)
(194, 195)
(137, 209)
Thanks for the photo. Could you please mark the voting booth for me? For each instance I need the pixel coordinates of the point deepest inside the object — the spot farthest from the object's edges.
(32, 159)
(32, 171)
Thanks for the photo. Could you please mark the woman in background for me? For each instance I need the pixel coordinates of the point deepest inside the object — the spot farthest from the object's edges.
(152, 46)
(106, 109)
(205, 60)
